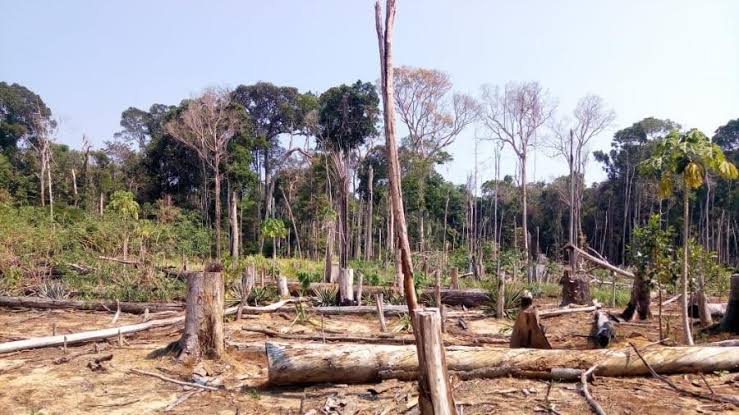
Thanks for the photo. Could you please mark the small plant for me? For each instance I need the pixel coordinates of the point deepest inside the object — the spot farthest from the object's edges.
(512, 300)
(260, 295)
(306, 278)
(404, 323)
(327, 296)
(53, 290)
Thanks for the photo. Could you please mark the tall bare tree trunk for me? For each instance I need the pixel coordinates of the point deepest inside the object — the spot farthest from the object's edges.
(524, 218)
(74, 188)
(384, 38)
(368, 226)
(328, 258)
(217, 197)
(684, 280)
(51, 194)
(234, 217)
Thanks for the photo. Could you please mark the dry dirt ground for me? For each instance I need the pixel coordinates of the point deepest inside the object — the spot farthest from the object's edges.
(38, 382)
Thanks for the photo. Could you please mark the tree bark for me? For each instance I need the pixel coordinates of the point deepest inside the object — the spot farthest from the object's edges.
(640, 300)
(575, 289)
(351, 363)
(248, 280)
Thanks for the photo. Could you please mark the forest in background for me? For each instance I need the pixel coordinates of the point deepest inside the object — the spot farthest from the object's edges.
(296, 174)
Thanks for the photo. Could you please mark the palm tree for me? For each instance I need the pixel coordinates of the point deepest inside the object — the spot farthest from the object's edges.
(682, 159)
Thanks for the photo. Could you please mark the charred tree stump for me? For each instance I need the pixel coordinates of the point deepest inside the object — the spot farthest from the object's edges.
(454, 285)
(640, 300)
(730, 322)
(346, 286)
(603, 331)
(435, 394)
(527, 331)
(575, 289)
(203, 335)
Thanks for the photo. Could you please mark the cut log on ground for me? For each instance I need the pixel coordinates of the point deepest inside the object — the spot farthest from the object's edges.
(716, 310)
(469, 297)
(350, 363)
(568, 310)
(602, 331)
(730, 322)
(94, 335)
(47, 303)
(388, 310)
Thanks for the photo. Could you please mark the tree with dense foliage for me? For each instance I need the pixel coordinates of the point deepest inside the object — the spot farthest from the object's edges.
(347, 117)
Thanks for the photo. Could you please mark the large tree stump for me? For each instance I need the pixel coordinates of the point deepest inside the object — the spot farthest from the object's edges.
(203, 335)
(575, 289)
(527, 331)
(640, 300)
(730, 322)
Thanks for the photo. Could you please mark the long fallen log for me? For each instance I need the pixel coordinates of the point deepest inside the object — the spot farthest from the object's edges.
(47, 303)
(388, 310)
(350, 363)
(93, 335)
(468, 297)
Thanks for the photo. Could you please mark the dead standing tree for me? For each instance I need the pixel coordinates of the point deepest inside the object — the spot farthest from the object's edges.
(41, 142)
(514, 116)
(206, 126)
(434, 118)
(570, 141)
(435, 393)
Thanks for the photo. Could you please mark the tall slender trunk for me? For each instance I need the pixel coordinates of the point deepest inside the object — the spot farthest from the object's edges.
(396, 194)
(368, 225)
(51, 194)
(217, 197)
(234, 216)
(684, 281)
(524, 214)
(74, 187)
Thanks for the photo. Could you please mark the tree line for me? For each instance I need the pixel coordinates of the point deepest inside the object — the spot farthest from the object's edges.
(315, 162)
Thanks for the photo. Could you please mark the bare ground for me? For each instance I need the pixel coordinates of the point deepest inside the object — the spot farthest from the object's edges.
(36, 382)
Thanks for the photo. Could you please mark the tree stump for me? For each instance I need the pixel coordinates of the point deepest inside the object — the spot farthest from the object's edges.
(248, 279)
(282, 287)
(575, 289)
(639, 301)
(730, 322)
(527, 331)
(346, 286)
(203, 335)
(454, 285)
(435, 394)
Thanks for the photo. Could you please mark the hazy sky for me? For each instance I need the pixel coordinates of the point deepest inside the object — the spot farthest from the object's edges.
(90, 60)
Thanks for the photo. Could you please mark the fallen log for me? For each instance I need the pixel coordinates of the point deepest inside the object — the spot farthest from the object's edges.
(93, 335)
(349, 363)
(388, 310)
(597, 261)
(47, 303)
(469, 297)
(602, 331)
(568, 310)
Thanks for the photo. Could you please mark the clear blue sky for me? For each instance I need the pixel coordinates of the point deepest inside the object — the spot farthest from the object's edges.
(90, 60)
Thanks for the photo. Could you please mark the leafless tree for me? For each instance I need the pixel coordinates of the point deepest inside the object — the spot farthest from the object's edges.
(514, 115)
(570, 140)
(41, 141)
(434, 117)
(206, 126)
